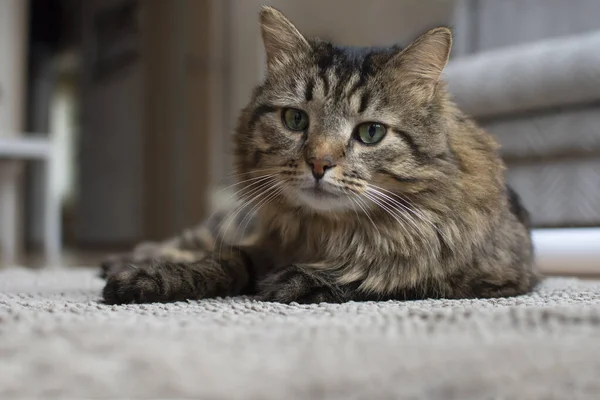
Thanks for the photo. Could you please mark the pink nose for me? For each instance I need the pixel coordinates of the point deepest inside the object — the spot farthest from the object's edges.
(320, 165)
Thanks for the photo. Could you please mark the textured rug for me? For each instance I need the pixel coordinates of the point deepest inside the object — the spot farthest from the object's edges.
(58, 341)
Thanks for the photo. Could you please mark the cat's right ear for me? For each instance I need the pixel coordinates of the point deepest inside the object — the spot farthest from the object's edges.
(283, 42)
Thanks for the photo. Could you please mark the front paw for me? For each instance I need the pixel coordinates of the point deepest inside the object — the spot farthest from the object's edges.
(296, 284)
(133, 284)
(142, 254)
(115, 264)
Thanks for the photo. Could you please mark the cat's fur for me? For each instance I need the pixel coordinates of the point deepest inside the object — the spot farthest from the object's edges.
(424, 213)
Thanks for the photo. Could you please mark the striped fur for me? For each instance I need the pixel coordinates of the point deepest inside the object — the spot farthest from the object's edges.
(425, 212)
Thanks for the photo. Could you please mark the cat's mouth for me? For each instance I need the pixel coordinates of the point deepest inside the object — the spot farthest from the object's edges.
(319, 192)
(322, 198)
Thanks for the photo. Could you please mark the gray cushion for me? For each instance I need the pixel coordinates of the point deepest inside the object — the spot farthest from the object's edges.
(533, 76)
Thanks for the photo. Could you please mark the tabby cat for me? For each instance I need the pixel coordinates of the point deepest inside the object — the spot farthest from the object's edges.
(358, 179)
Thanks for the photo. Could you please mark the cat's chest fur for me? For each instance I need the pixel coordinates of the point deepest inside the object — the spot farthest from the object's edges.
(295, 238)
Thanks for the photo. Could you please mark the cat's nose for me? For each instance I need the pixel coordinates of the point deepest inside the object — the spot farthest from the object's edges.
(319, 165)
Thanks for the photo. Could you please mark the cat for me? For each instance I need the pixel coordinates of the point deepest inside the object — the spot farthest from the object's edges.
(358, 179)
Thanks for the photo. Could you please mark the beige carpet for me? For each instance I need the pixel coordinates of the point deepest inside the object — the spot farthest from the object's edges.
(58, 341)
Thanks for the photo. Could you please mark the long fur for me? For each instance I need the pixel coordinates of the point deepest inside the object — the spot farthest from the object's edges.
(423, 213)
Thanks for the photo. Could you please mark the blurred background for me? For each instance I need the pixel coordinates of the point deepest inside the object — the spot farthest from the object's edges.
(118, 113)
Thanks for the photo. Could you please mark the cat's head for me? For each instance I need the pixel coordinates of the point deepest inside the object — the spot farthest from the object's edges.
(335, 129)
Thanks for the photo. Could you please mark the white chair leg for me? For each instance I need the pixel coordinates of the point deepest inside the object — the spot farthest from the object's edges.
(8, 211)
(52, 218)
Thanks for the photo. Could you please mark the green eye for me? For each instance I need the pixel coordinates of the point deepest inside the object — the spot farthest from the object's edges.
(370, 132)
(296, 120)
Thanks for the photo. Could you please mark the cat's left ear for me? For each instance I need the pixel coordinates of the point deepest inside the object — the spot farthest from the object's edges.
(283, 41)
(426, 57)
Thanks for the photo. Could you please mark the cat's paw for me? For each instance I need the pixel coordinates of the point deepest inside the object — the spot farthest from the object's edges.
(115, 264)
(143, 254)
(133, 284)
(295, 284)
(146, 255)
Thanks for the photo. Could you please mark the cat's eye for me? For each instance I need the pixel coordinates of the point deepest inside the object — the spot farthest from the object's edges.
(294, 119)
(370, 132)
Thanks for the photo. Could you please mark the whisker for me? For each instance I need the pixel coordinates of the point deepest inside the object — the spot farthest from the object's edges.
(401, 211)
(364, 210)
(404, 199)
(275, 191)
(415, 211)
(393, 206)
(239, 209)
(406, 217)
(353, 208)
(261, 184)
(258, 186)
(238, 174)
(259, 178)
(418, 215)
(389, 211)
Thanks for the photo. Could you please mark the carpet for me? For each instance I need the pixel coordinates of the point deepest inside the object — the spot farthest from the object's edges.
(58, 341)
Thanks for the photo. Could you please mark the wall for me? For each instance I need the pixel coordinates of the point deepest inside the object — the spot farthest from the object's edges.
(111, 145)
(147, 127)
(13, 35)
(13, 20)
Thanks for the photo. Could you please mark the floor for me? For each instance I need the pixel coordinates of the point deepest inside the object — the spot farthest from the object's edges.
(57, 339)
(71, 257)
